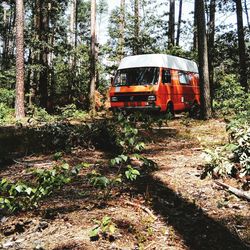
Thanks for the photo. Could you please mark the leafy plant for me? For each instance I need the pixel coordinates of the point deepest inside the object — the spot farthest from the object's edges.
(131, 173)
(105, 227)
(21, 196)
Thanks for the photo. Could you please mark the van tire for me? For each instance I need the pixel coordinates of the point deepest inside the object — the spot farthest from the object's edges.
(170, 110)
(195, 111)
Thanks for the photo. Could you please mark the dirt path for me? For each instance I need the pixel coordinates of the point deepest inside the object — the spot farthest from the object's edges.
(190, 213)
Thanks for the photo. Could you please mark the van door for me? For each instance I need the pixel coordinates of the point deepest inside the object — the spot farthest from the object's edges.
(187, 92)
(167, 87)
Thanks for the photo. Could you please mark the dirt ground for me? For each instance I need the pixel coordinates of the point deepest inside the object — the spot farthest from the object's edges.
(169, 208)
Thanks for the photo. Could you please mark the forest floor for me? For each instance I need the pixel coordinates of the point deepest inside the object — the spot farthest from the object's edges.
(169, 208)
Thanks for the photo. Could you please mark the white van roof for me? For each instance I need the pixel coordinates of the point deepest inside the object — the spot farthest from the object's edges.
(159, 60)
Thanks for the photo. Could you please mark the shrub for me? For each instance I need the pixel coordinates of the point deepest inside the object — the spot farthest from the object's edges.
(230, 97)
(7, 97)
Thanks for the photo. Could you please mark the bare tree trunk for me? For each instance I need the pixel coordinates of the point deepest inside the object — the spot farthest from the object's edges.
(211, 34)
(242, 46)
(93, 58)
(44, 75)
(247, 15)
(203, 61)
(136, 28)
(171, 24)
(122, 28)
(19, 104)
(179, 24)
(195, 41)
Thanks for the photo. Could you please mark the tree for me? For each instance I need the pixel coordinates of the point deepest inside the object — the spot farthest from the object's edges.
(171, 24)
(179, 24)
(241, 46)
(122, 29)
(19, 104)
(136, 48)
(93, 58)
(203, 60)
(211, 36)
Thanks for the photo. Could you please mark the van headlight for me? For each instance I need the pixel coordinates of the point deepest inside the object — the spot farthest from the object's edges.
(114, 99)
(151, 98)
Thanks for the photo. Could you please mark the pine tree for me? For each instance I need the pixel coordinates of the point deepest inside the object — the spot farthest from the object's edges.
(19, 104)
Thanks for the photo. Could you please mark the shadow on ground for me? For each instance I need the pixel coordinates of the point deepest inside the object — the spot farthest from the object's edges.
(196, 228)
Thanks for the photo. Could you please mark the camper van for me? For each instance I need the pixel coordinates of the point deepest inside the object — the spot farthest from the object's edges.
(156, 82)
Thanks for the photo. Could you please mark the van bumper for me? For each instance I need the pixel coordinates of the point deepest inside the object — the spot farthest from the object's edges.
(138, 108)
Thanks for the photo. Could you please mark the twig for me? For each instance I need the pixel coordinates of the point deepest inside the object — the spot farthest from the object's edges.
(29, 164)
(236, 191)
(145, 209)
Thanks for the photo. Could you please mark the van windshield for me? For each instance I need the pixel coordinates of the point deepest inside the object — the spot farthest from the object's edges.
(137, 76)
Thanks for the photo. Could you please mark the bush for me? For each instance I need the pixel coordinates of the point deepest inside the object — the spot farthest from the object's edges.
(7, 97)
(230, 97)
(6, 113)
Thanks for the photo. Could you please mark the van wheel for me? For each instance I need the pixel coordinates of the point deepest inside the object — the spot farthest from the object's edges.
(170, 110)
(195, 111)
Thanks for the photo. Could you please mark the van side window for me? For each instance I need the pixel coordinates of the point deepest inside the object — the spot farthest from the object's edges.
(166, 76)
(183, 78)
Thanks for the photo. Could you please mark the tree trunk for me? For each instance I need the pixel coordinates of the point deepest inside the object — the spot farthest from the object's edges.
(179, 24)
(122, 28)
(19, 104)
(136, 46)
(203, 61)
(242, 46)
(93, 58)
(211, 34)
(247, 15)
(195, 42)
(44, 75)
(171, 24)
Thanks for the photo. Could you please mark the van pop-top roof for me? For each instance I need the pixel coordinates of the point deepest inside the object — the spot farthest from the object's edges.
(159, 60)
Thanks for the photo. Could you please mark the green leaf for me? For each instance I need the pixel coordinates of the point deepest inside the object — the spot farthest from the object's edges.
(94, 232)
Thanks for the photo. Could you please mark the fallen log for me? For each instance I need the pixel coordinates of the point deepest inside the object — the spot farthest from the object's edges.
(235, 191)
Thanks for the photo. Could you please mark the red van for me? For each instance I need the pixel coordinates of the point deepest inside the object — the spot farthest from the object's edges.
(156, 82)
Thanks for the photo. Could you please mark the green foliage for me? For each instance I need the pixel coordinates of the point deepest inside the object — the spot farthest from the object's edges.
(132, 173)
(70, 111)
(105, 227)
(233, 159)
(21, 196)
(6, 113)
(7, 97)
(230, 97)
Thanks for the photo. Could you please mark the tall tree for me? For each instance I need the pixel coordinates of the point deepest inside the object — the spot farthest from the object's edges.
(195, 44)
(247, 15)
(122, 30)
(136, 49)
(203, 60)
(179, 24)
(19, 104)
(211, 36)
(171, 23)
(241, 46)
(93, 58)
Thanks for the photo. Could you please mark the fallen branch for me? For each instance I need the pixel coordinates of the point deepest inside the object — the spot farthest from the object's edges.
(33, 164)
(236, 191)
(145, 209)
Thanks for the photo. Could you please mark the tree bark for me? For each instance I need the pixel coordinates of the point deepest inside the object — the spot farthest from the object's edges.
(19, 103)
(203, 61)
(211, 34)
(179, 24)
(136, 28)
(195, 40)
(122, 28)
(93, 59)
(241, 46)
(247, 15)
(44, 75)
(171, 24)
